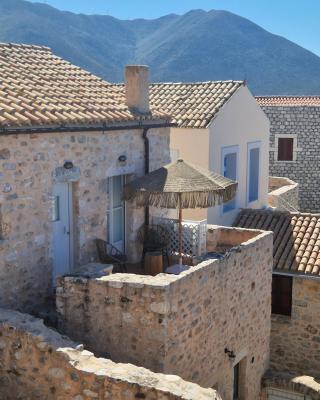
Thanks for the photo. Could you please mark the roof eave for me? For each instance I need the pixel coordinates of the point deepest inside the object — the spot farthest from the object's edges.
(115, 126)
(296, 274)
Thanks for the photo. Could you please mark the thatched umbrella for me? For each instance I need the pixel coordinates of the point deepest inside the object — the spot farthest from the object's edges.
(181, 185)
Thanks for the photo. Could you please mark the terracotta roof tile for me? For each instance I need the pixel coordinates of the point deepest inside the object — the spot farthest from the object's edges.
(296, 240)
(289, 101)
(38, 88)
(191, 105)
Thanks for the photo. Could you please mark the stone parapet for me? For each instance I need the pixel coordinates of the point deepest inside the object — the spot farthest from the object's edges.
(182, 324)
(292, 384)
(283, 194)
(38, 363)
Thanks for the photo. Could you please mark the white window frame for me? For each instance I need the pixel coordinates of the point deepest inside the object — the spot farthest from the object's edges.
(251, 146)
(225, 150)
(275, 149)
(110, 214)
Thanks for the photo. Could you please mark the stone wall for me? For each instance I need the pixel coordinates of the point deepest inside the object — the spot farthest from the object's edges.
(38, 363)
(28, 163)
(283, 194)
(182, 324)
(289, 386)
(295, 340)
(304, 122)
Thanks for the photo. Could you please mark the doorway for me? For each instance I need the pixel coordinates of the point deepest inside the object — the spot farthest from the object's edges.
(116, 213)
(62, 230)
(239, 380)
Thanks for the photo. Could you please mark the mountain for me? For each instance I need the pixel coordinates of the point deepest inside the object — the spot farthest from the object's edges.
(197, 46)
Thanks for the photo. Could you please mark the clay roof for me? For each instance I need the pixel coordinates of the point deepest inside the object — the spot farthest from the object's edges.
(296, 238)
(289, 101)
(192, 105)
(38, 88)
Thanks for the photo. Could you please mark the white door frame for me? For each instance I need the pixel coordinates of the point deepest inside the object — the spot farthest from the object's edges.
(71, 226)
(69, 229)
(111, 217)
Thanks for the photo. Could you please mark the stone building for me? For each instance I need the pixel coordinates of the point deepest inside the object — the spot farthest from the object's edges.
(67, 144)
(294, 144)
(209, 325)
(295, 333)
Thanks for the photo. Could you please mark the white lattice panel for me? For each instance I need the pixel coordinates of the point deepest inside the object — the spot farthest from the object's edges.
(194, 235)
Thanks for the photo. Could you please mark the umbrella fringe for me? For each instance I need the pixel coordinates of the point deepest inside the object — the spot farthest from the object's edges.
(188, 200)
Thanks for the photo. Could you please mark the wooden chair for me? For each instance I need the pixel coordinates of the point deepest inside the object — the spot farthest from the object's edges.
(154, 238)
(108, 254)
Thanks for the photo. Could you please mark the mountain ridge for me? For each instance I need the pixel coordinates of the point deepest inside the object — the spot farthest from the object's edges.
(196, 46)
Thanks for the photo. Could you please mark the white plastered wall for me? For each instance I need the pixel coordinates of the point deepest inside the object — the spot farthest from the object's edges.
(239, 122)
(192, 145)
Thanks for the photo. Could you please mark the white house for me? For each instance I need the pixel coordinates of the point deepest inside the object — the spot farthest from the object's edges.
(220, 126)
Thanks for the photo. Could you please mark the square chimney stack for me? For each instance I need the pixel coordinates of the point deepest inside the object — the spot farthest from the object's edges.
(137, 88)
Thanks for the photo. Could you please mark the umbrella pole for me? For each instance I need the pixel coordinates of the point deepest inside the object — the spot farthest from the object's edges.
(180, 231)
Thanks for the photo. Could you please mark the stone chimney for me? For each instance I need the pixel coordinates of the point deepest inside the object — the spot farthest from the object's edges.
(137, 88)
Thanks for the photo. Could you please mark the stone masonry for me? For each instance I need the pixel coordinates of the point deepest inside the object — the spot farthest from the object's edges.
(304, 124)
(283, 194)
(182, 324)
(295, 340)
(29, 164)
(37, 363)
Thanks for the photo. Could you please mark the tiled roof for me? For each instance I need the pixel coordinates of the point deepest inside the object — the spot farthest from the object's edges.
(192, 105)
(296, 238)
(38, 88)
(289, 101)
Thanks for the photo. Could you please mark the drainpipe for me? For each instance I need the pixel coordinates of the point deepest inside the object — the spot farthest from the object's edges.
(146, 167)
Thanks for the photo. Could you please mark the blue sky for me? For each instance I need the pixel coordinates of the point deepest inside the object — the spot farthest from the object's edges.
(297, 20)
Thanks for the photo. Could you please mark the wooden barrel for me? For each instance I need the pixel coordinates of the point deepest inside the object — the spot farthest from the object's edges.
(153, 263)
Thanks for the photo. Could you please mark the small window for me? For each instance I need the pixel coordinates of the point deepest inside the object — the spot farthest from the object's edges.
(285, 149)
(56, 209)
(281, 294)
(253, 172)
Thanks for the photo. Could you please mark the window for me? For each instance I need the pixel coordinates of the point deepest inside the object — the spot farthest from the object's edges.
(253, 171)
(56, 209)
(229, 170)
(285, 149)
(281, 294)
